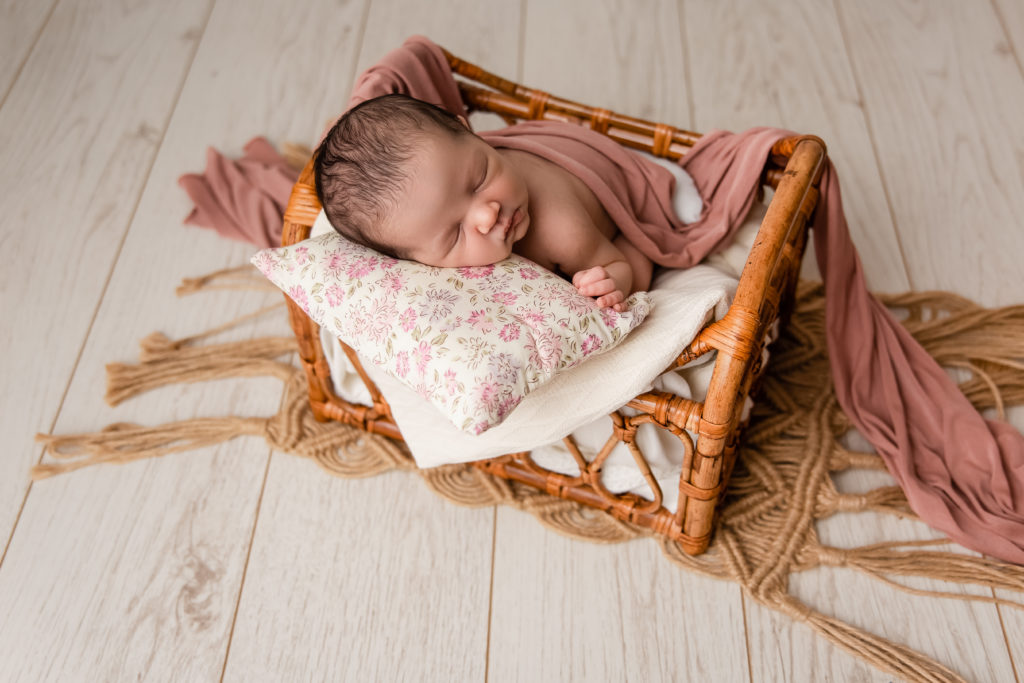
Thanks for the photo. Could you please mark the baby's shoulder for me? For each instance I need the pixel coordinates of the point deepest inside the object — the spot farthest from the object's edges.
(558, 235)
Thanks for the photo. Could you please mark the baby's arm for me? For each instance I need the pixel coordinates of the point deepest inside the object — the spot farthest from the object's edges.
(601, 283)
(641, 265)
(611, 281)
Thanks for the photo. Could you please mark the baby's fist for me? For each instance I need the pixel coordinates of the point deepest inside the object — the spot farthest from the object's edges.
(596, 282)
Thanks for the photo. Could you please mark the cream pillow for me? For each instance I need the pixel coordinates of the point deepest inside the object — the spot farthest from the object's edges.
(472, 341)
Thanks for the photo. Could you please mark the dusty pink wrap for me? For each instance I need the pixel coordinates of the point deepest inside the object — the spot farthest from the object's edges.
(962, 474)
(242, 199)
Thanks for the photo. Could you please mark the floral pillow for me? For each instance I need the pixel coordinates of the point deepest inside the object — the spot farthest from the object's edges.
(472, 341)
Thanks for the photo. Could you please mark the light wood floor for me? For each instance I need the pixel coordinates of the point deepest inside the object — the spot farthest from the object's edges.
(241, 564)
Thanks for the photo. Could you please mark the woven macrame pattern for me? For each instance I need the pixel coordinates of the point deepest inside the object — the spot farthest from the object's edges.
(781, 486)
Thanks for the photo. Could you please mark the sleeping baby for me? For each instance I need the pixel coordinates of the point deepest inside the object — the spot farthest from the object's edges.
(412, 181)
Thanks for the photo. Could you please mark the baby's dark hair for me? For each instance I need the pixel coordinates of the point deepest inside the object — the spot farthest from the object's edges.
(360, 167)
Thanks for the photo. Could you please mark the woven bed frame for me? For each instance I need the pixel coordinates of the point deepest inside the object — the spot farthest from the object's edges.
(765, 294)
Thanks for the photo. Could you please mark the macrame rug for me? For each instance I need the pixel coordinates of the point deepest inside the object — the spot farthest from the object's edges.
(781, 486)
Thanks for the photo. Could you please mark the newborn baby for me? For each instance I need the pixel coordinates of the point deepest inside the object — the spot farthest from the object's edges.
(411, 180)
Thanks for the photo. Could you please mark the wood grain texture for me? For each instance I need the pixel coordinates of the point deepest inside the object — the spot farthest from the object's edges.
(130, 572)
(485, 33)
(782, 64)
(1011, 16)
(136, 571)
(374, 579)
(20, 25)
(590, 53)
(377, 579)
(785, 64)
(944, 97)
(157, 550)
(566, 610)
(79, 131)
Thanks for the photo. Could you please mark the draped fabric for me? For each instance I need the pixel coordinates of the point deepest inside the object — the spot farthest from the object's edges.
(242, 199)
(962, 474)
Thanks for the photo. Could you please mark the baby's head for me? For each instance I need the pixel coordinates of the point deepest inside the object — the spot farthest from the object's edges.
(410, 180)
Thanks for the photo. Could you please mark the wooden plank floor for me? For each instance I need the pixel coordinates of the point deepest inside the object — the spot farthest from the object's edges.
(238, 563)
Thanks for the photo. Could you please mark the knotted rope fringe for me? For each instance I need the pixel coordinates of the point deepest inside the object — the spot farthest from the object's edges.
(782, 484)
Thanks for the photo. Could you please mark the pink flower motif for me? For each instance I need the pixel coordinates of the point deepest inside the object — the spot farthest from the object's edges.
(534, 317)
(481, 427)
(298, 294)
(504, 368)
(362, 267)
(407, 320)
(609, 316)
(481, 321)
(504, 298)
(545, 349)
(590, 344)
(437, 304)
(497, 282)
(402, 363)
(476, 272)
(528, 273)
(301, 255)
(452, 324)
(387, 263)
(382, 317)
(509, 332)
(335, 295)
(265, 262)
(450, 383)
(334, 264)
(422, 356)
(549, 292)
(508, 402)
(575, 302)
(393, 281)
(487, 394)
(358, 320)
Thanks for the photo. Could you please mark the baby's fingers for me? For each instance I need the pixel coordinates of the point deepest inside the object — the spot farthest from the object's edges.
(588, 277)
(599, 288)
(613, 300)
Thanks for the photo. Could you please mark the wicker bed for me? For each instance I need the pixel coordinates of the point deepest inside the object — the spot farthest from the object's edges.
(708, 432)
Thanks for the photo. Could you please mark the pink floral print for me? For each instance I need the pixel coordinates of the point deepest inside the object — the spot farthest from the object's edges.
(504, 298)
(407, 320)
(475, 272)
(402, 364)
(299, 295)
(335, 295)
(481, 321)
(472, 341)
(510, 332)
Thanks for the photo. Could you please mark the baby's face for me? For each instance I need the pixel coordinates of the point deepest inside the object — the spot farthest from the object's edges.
(463, 205)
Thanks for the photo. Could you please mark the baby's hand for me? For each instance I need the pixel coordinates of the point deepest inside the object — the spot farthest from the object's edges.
(596, 282)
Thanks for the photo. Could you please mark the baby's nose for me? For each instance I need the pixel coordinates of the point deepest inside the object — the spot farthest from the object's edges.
(487, 217)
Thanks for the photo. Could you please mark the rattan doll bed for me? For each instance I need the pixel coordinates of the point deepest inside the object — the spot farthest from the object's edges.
(765, 293)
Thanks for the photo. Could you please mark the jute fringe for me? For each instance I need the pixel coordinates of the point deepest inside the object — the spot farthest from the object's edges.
(781, 487)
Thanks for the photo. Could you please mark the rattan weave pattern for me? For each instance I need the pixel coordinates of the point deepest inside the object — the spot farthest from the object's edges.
(764, 294)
